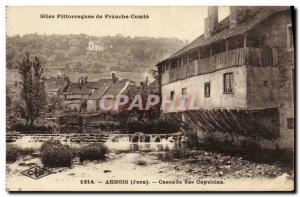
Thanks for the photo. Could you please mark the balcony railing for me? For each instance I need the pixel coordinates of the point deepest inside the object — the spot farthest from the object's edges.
(236, 57)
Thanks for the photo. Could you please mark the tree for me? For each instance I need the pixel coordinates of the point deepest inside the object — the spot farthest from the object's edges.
(32, 88)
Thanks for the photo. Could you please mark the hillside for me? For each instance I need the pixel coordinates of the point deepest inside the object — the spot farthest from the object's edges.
(69, 52)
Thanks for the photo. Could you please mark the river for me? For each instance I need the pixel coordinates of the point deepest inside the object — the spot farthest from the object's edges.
(148, 166)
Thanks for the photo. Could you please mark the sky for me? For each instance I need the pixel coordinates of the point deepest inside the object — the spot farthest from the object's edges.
(184, 22)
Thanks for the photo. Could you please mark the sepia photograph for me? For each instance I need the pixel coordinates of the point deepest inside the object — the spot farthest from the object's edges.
(150, 99)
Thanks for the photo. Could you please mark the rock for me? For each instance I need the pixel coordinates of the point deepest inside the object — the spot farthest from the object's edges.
(193, 151)
(31, 164)
(35, 154)
(22, 164)
(71, 174)
(141, 163)
(226, 167)
(189, 170)
(161, 171)
(56, 170)
(176, 167)
(28, 157)
(220, 173)
(107, 171)
(76, 160)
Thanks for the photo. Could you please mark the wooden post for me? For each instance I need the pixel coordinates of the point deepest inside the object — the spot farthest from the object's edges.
(246, 59)
(245, 40)
(226, 51)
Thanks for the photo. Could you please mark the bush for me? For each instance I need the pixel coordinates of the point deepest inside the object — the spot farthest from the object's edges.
(13, 152)
(192, 140)
(94, 151)
(55, 154)
(22, 128)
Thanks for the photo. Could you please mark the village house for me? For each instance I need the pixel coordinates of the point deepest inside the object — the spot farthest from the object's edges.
(241, 72)
(55, 86)
(113, 87)
(95, 46)
(84, 96)
(76, 94)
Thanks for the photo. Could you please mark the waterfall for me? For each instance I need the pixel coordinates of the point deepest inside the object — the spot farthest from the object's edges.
(143, 138)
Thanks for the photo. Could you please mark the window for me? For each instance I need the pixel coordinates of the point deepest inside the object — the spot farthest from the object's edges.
(290, 123)
(290, 40)
(172, 94)
(207, 89)
(266, 84)
(228, 83)
(183, 91)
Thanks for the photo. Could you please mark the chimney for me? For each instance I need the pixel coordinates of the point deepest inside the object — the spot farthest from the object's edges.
(233, 20)
(113, 77)
(80, 82)
(146, 81)
(211, 22)
(142, 85)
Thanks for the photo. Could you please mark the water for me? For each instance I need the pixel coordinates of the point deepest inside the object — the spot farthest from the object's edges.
(114, 142)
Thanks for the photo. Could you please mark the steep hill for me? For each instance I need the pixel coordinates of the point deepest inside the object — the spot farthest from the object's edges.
(70, 53)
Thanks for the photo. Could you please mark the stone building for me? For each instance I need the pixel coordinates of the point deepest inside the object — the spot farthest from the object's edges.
(55, 86)
(241, 74)
(95, 46)
(112, 87)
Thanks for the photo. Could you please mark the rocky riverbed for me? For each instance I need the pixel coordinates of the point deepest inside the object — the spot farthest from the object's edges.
(152, 171)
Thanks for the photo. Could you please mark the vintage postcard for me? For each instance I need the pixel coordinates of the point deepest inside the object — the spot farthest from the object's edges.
(185, 98)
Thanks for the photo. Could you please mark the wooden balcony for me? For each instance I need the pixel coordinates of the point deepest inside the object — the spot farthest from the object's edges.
(236, 57)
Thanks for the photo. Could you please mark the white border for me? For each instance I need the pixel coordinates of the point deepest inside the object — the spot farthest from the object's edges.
(4, 3)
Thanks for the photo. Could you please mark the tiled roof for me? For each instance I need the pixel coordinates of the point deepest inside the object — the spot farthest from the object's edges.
(86, 88)
(223, 31)
(117, 87)
(100, 91)
(55, 83)
(110, 89)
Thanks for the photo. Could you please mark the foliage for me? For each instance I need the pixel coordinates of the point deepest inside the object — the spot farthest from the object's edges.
(146, 120)
(54, 103)
(134, 121)
(70, 51)
(48, 127)
(94, 151)
(32, 88)
(55, 154)
(192, 140)
(13, 152)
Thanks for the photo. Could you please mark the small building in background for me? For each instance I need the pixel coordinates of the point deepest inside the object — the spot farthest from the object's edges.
(55, 86)
(96, 46)
(112, 87)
